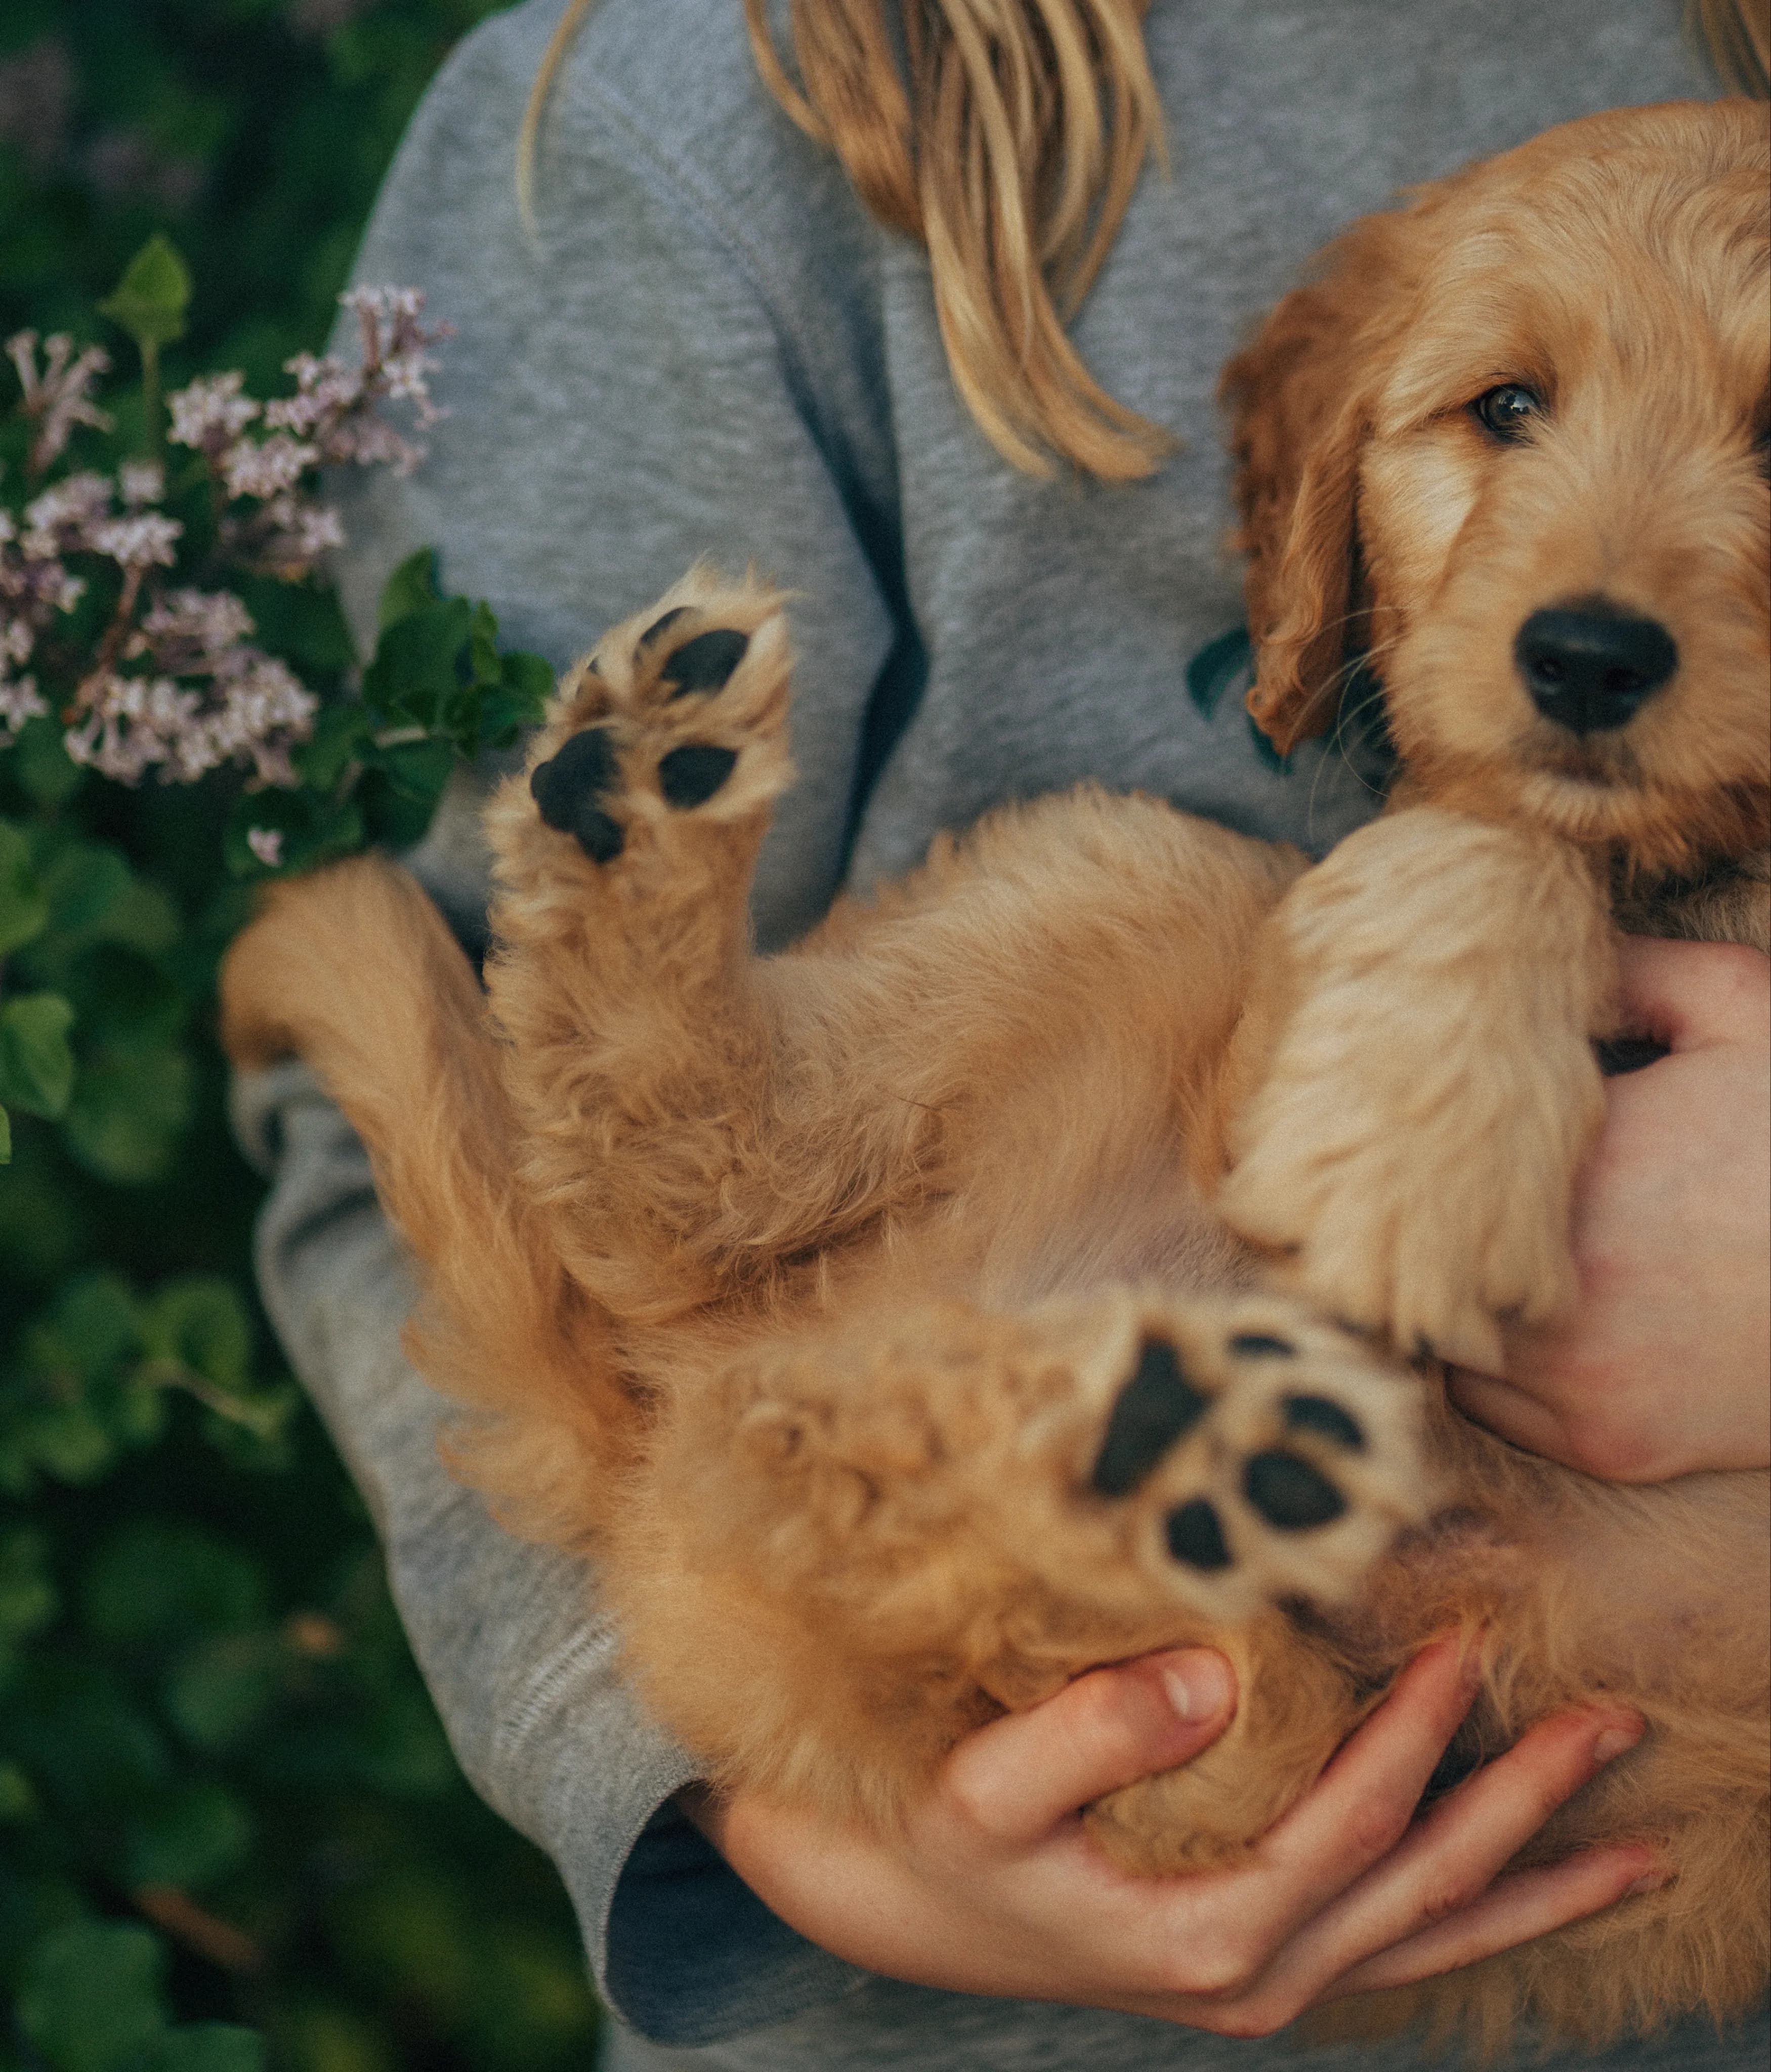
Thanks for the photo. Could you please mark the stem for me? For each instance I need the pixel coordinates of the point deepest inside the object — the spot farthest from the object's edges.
(150, 396)
(261, 1416)
(108, 647)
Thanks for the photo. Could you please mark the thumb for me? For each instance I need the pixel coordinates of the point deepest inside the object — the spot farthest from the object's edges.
(1018, 1777)
(1690, 995)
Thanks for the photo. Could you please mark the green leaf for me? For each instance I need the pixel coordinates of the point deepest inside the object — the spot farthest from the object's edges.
(24, 904)
(84, 882)
(90, 1996)
(65, 1439)
(43, 766)
(95, 1321)
(201, 1323)
(417, 666)
(206, 2047)
(18, 1801)
(93, 1749)
(337, 738)
(527, 680)
(419, 769)
(412, 587)
(6, 1138)
(483, 645)
(151, 300)
(128, 1114)
(214, 1693)
(189, 1838)
(27, 1596)
(167, 1580)
(315, 829)
(36, 1063)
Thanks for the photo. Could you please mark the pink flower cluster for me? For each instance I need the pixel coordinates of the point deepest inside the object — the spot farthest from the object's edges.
(250, 709)
(59, 395)
(172, 682)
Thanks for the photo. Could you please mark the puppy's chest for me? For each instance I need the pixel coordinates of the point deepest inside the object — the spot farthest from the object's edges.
(1728, 902)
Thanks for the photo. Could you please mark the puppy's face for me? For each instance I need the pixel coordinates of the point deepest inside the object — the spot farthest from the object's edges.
(1540, 463)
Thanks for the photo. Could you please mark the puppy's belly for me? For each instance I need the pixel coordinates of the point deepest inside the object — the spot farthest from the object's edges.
(1137, 1219)
(1652, 1579)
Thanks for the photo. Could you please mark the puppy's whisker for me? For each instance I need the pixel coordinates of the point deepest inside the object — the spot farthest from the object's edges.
(1344, 731)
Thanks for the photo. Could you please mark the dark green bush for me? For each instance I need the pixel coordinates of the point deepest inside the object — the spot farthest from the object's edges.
(229, 1823)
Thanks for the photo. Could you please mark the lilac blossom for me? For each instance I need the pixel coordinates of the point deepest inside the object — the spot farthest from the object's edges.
(60, 395)
(171, 683)
(210, 414)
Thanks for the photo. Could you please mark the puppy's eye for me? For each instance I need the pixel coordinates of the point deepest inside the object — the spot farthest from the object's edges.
(1504, 411)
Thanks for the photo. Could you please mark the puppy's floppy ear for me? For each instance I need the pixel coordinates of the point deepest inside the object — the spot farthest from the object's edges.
(1300, 395)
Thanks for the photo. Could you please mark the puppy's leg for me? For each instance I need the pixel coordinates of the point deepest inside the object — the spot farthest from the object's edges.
(932, 1513)
(353, 969)
(638, 1057)
(1428, 1085)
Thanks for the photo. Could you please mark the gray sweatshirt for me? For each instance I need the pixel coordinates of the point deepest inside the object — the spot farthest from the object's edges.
(708, 348)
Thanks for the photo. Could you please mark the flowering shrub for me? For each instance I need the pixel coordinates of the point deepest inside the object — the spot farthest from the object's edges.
(226, 1813)
(147, 671)
(171, 680)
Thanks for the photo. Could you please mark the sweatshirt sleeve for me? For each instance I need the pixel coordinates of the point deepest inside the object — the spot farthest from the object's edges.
(625, 393)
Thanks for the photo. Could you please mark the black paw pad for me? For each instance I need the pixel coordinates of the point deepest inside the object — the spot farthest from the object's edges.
(1259, 1345)
(1155, 1406)
(705, 663)
(567, 788)
(690, 775)
(1196, 1536)
(662, 624)
(1289, 1492)
(1316, 1413)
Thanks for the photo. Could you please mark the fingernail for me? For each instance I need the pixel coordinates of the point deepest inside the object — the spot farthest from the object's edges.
(1650, 1881)
(1615, 1741)
(1199, 1684)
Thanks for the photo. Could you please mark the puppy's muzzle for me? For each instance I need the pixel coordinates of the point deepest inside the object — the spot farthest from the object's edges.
(1590, 666)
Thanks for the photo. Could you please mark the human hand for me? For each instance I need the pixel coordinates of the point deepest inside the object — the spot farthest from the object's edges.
(996, 1888)
(1664, 1366)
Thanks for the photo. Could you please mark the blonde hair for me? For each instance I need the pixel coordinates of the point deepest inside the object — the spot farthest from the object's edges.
(1006, 136)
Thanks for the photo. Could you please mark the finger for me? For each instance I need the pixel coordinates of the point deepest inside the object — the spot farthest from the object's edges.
(1455, 1853)
(1361, 1806)
(1016, 1778)
(1514, 1909)
(1689, 995)
(1509, 1411)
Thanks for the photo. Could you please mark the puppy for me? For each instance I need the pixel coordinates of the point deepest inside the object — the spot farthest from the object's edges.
(1020, 1273)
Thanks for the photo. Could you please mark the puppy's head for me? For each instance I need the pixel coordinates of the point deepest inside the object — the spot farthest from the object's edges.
(1510, 445)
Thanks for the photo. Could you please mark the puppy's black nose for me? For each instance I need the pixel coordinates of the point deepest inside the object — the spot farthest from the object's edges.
(1590, 666)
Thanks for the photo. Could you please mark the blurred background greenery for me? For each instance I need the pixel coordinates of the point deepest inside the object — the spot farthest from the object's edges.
(225, 1804)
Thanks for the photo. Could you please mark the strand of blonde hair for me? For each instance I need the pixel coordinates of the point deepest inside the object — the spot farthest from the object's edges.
(1009, 144)
(1006, 136)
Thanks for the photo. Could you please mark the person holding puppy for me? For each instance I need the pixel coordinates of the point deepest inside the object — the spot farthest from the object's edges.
(944, 361)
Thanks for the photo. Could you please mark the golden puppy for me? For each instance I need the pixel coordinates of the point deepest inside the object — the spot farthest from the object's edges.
(917, 1318)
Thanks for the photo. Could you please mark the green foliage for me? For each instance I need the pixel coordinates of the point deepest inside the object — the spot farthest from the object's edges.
(150, 301)
(91, 2001)
(231, 1830)
(436, 690)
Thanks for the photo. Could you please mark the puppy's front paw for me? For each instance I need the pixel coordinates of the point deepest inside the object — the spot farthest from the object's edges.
(1407, 1158)
(1431, 1235)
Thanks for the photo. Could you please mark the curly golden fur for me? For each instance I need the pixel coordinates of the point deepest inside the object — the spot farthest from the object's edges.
(909, 1321)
